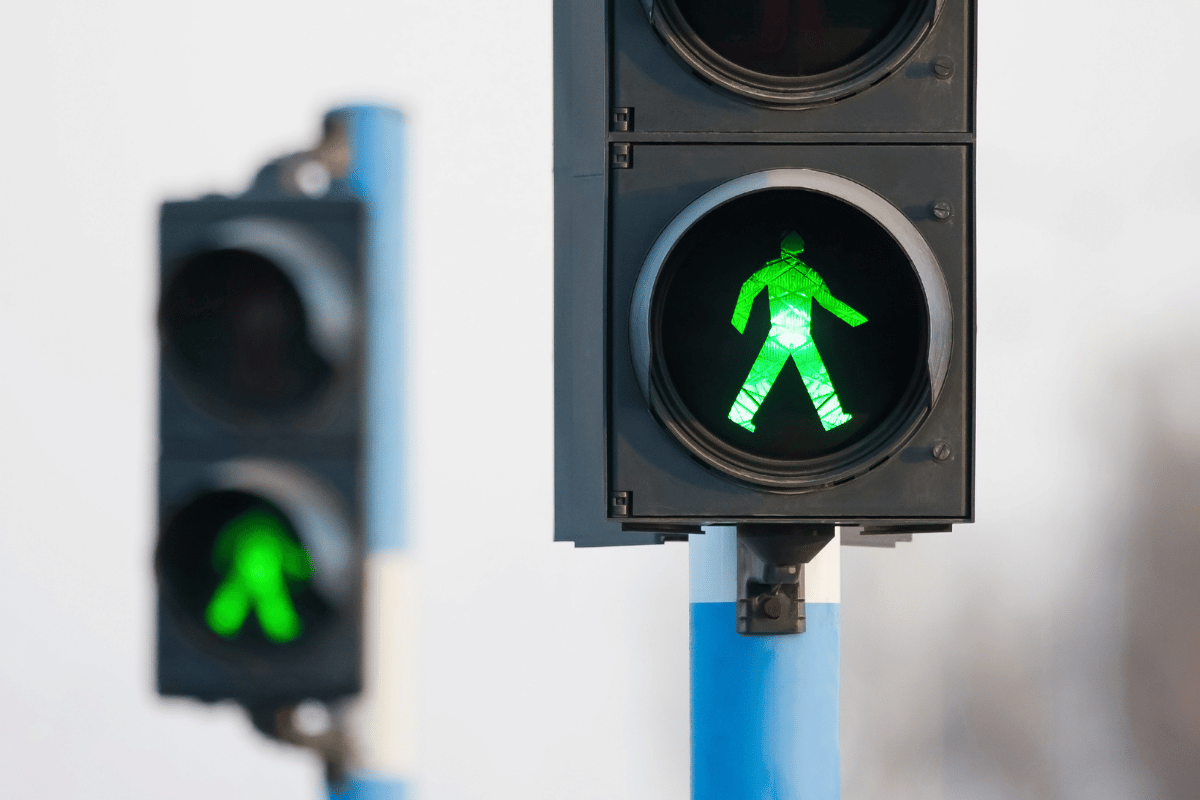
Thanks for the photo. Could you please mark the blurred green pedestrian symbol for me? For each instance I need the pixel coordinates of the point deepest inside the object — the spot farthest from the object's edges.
(791, 286)
(258, 558)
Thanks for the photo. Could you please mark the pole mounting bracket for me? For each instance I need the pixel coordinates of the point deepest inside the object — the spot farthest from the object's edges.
(770, 575)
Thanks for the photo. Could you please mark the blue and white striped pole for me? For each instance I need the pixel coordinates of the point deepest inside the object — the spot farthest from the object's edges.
(764, 708)
(383, 724)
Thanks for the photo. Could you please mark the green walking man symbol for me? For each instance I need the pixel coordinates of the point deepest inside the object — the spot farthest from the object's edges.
(259, 559)
(792, 286)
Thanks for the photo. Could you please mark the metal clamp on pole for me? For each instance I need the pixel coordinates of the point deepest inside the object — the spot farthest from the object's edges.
(770, 575)
(325, 735)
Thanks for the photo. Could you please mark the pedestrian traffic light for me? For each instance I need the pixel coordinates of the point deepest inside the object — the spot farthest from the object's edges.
(260, 545)
(764, 280)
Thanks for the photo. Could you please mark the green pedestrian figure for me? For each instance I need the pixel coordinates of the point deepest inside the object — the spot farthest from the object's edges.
(792, 286)
(259, 560)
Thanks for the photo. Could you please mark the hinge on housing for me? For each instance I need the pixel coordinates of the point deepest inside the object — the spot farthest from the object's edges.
(622, 155)
(622, 120)
(620, 504)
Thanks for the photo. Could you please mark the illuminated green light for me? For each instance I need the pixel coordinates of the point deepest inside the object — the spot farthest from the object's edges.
(258, 558)
(791, 286)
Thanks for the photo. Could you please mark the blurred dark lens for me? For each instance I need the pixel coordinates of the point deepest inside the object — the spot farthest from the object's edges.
(234, 324)
(793, 38)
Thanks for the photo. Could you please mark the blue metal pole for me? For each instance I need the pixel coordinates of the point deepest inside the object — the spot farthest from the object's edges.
(764, 708)
(383, 729)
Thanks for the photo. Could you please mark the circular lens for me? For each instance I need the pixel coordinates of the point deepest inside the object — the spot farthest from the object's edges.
(793, 52)
(234, 567)
(235, 328)
(791, 324)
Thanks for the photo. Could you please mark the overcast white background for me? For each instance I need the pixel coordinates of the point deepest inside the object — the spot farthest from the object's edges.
(994, 663)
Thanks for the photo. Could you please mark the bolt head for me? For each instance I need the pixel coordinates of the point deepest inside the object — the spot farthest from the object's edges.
(772, 607)
(941, 451)
(943, 67)
(942, 209)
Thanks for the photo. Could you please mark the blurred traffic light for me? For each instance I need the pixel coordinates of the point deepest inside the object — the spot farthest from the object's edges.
(764, 265)
(261, 423)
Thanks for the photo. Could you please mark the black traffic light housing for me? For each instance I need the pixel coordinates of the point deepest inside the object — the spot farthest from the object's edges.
(261, 399)
(666, 124)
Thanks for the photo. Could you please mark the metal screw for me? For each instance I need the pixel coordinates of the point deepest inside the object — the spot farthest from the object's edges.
(941, 451)
(943, 67)
(772, 607)
(942, 209)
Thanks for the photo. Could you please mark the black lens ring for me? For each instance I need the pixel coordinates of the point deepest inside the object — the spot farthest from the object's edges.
(790, 475)
(795, 92)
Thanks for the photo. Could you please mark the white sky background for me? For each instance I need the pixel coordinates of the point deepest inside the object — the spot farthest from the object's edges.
(552, 673)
